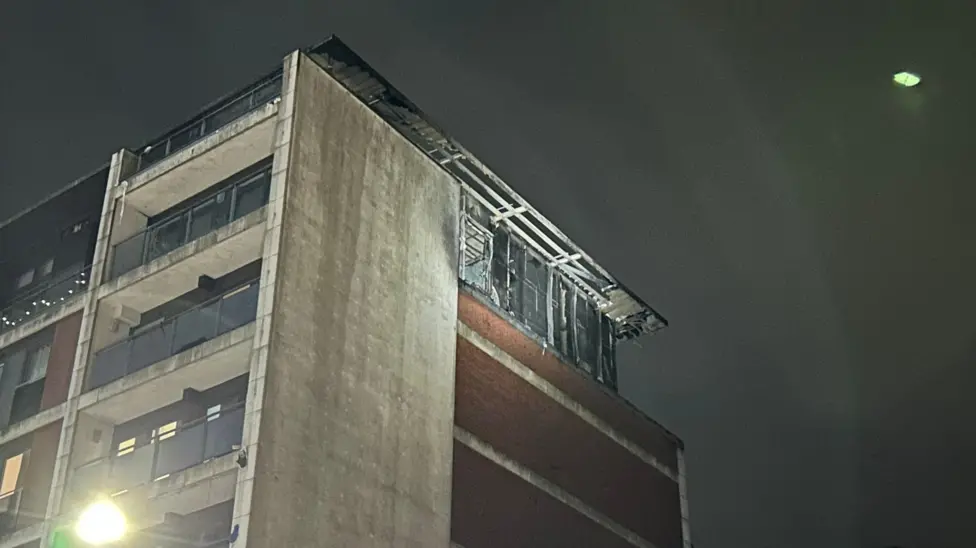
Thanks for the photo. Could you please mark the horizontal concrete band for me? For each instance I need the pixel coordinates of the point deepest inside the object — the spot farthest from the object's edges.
(562, 398)
(484, 449)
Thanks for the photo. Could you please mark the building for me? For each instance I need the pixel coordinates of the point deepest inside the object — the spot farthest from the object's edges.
(45, 266)
(313, 319)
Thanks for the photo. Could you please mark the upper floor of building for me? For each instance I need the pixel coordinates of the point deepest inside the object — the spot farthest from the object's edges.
(175, 260)
(188, 207)
(46, 253)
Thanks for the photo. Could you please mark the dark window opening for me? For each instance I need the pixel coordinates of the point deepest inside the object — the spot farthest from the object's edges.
(27, 401)
(548, 305)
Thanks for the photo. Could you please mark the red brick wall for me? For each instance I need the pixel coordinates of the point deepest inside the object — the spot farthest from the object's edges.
(40, 469)
(493, 508)
(526, 425)
(609, 407)
(61, 362)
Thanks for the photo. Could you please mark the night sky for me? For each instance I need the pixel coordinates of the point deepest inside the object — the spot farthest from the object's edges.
(751, 171)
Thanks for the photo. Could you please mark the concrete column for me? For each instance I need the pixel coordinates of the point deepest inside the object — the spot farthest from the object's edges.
(683, 491)
(122, 162)
(269, 267)
(13, 368)
(92, 439)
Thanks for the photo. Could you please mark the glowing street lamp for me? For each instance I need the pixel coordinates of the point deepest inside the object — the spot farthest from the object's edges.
(100, 523)
(907, 79)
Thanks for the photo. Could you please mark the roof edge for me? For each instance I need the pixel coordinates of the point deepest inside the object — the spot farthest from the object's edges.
(54, 195)
(631, 314)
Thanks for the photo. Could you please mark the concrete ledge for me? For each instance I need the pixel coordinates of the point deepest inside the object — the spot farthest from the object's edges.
(203, 163)
(45, 319)
(28, 425)
(215, 254)
(201, 367)
(23, 536)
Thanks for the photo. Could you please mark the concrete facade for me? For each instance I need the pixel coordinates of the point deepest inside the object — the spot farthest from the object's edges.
(356, 428)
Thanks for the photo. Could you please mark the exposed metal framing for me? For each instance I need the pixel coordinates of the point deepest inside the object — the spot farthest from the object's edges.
(506, 283)
(631, 316)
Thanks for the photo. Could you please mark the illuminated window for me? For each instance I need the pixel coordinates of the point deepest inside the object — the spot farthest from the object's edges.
(213, 413)
(126, 447)
(11, 472)
(165, 431)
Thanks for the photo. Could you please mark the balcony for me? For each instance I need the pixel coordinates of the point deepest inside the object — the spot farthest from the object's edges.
(216, 117)
(183, 472)
(191, 328)
(203, 217)
(224, 140)
(51, 300)
(200, 348)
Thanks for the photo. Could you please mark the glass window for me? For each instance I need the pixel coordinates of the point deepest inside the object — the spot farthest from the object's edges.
(185, 137)
(165, 431)
(252, 194)
(35, 366)
(213, 412)
(587, 334)
(166, 237)
(535, 285)
(11, 473)
(266, 92)
(125, 447)
(47, 268)
(209, 216)
(228, 114)
(25, 279)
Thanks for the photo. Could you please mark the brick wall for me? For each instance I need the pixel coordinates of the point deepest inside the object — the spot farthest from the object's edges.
(492, 506)
(61, 361)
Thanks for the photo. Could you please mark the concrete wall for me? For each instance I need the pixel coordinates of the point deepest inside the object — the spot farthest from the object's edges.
(355, 445)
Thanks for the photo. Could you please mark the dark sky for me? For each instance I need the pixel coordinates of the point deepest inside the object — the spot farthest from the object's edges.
(745, 166)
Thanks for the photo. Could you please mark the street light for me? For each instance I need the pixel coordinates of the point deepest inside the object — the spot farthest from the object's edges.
(906, 79)
(100, 523)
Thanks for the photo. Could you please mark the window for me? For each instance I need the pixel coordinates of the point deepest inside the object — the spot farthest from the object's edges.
(26, 402)
(11, 473)
(35, 366)
(126, 447)
(213, 412)
(47, 268)
(165, 431)
(534, 288)
(25, 279)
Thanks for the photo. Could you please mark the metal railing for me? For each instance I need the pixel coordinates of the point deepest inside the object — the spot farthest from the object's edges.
(174, 335)
(192, 222)
(223, 113)
(44, 297)
(193, 443)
